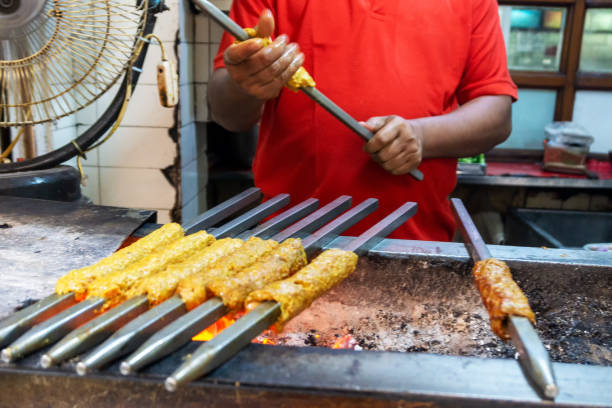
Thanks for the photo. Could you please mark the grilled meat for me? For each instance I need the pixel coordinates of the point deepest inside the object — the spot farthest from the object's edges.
(500, 294)
(162, 285)
(113, 287)
(298, 292)
(77, 280)
(285, 260)
(192, 289)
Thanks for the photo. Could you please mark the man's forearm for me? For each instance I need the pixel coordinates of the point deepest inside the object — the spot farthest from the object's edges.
(473, 128)
(230, 106)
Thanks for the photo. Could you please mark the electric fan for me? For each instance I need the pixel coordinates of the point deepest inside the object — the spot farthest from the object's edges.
(58, 56)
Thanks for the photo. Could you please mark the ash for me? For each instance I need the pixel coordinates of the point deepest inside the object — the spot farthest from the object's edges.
(414, 306)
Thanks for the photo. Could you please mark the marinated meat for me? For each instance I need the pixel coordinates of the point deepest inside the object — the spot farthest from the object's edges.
(77, 280)
(284, 261)
(162, 285)
(113, 287)
(500, 294)
(298, 292)
(300, 79)
(192, 289)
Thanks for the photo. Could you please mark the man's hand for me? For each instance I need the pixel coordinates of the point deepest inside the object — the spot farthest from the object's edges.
(260, 71)
(397, 144)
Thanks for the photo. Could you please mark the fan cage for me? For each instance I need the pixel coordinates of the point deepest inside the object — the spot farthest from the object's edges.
(66, 57)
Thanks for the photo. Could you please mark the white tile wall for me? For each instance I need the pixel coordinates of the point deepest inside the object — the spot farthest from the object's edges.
(201, 39)
(134, 187)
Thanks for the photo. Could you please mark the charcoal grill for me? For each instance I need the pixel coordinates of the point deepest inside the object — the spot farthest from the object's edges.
(422, 339)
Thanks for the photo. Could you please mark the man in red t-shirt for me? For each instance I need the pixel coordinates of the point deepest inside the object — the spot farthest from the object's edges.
(428, 77)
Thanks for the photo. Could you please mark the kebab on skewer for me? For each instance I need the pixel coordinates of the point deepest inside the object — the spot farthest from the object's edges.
(286, 259)
(159, 287)
(19, 322)
(509, 311)
(107, 291)
(327, 270)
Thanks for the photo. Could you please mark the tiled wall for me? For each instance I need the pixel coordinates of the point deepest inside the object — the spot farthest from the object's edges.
(127, 170)
(199, 39)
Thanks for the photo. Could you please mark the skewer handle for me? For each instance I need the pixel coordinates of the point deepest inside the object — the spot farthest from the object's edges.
(251, 217)
(223, 210)
(225, 344)
(21, 321)
(238, 32)
(473, 241)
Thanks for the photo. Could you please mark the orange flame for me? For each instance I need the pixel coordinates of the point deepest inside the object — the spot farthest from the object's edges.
(217, 327)
(345, 342)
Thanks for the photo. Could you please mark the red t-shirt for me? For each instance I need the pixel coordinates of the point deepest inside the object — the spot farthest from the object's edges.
(411, 58)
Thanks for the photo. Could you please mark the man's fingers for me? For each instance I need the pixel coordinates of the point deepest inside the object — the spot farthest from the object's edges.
(292, 68)
(384, 136)
(238, 53)
(265, 26)
(375, 123)
(395, 148)
(274, 54)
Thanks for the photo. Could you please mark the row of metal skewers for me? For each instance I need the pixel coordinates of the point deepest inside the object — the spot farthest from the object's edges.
(178, 302)
(288, 258)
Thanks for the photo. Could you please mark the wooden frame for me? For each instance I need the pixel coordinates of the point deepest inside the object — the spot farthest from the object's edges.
(568, 79)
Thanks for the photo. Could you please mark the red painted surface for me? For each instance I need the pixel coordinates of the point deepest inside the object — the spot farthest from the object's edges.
(602, 168)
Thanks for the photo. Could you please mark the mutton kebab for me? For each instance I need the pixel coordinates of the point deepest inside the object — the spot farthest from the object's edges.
(508, 307)
(283, 299)
(231, 291)
(108, 290)
(156, 288)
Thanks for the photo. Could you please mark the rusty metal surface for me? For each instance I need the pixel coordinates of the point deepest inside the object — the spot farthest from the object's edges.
(40, 240)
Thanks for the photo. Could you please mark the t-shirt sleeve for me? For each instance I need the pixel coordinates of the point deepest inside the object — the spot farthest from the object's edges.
(246, 13)
(486, 71)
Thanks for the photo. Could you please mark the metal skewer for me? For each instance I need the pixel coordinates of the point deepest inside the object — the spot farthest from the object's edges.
(23, 320)
(101, 327)
(134, 333)
(231, 340)
(533, 357)
(183, 329)
(63, 323)
(238, 32)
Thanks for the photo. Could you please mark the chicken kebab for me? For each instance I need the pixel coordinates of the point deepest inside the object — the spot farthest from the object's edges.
(279, 301)
(105, 288)
(257, 263)
(72, 287)
(156, 288)
(510, 315)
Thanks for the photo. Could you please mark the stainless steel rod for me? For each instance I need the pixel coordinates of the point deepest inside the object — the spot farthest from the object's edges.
(317, 96)
(282, 220)
(97, 331)
(133, 334)
(227, 343)
(52, 330)
(533, 357)
(175, 335)
(224, 210)
(94, 331)
(181, 331)
(20, 322)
